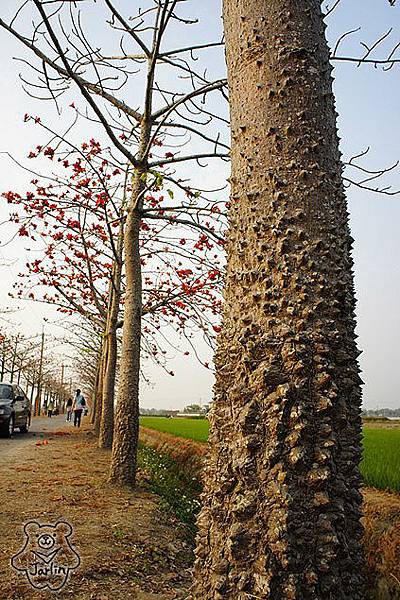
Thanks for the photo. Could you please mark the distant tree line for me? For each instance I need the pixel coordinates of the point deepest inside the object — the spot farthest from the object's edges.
(382, 412)
(162, 412)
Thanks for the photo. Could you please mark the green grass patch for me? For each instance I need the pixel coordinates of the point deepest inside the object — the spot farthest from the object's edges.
(192, 429)
(380, 466)
(177, 493)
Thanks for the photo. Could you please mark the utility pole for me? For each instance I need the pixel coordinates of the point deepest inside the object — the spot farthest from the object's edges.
(3, 356)
(39, 391)
(62, 393)
(13, 359)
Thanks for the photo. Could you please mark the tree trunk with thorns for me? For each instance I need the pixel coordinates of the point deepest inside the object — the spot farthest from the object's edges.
(281, 514)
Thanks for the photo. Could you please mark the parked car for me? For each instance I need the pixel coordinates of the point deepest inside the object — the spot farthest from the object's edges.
(15, 409)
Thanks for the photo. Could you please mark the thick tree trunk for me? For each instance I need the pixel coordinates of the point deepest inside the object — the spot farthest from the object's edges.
(126, 427)
(107, 413)
(281, 515)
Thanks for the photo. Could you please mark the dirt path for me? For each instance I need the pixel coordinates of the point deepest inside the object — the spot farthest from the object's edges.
(40, 427)
(128, 548)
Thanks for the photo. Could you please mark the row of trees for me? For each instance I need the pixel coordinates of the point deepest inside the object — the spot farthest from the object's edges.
(130, 244)
(282, 503)
(80, 219)
(28, 363)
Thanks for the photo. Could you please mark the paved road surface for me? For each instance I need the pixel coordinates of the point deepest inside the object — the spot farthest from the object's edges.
(40, 426)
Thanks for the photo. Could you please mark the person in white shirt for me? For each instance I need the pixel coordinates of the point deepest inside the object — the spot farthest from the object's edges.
(78, 408)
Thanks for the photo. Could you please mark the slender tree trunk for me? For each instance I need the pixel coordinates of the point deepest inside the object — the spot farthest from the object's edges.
(99, 388)
(94, 408)
(281, 514)
(32, 390)
(126, 428)
(107, 413)
(3, 361)
(94, 397)
(107, 409)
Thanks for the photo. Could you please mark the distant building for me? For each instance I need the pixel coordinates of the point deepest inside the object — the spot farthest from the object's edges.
(170, 413)
(190, 415)
(157, 412)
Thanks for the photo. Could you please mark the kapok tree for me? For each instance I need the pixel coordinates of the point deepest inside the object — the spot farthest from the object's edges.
(281, 514)
(166, 109)
(75, 212)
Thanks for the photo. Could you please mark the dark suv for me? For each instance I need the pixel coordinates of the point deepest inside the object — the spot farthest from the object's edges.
(15, 409)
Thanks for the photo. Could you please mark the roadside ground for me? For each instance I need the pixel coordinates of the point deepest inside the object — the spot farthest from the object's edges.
(128, 548)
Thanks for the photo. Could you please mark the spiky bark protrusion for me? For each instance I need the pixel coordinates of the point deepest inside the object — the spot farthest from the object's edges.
(281, 515)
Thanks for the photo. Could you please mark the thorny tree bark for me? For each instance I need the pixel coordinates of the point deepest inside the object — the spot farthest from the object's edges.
(281, 515)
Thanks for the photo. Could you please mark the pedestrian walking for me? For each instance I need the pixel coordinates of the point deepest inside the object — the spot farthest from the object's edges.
(79, 407)
(50, 408)
(69, 408)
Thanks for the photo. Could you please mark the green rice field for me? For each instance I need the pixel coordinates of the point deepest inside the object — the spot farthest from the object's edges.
(381, 460)
(193, 429)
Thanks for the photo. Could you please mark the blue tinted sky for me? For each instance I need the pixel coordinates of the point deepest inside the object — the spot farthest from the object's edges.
(368, 103)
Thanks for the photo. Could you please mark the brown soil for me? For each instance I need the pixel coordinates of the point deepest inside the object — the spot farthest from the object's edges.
(128, 547)
(382, 544)
(382, 424)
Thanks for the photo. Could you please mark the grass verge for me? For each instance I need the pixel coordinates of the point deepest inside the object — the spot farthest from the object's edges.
(178, 494)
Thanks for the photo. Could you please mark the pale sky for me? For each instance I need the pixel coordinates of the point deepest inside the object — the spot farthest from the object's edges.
(368, 103)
